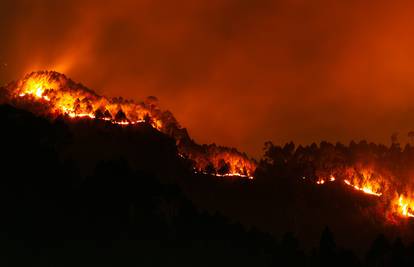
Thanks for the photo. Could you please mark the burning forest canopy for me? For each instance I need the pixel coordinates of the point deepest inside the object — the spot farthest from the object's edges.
(52, 94)
(381, 172)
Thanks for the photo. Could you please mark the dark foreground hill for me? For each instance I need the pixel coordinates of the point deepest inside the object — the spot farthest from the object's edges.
(85, 193)
(54, 215)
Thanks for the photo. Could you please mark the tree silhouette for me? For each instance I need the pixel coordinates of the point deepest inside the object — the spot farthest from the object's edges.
(105, 205)
(327, 248)
(379, 253)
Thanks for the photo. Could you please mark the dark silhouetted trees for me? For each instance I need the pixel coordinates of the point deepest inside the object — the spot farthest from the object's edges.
(129, 202)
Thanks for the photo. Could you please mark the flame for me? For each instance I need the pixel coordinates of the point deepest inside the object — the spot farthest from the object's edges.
(405, 206)
(61, 96)
(75, 102)
(321, 181)
(36, 86)
(221, 163)
(365, 180)
(367, 188)
(231, 174)
(369, 180)
(361, 180)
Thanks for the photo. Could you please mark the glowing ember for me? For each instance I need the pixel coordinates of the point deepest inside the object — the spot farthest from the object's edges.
(228, 175)
(320, 181)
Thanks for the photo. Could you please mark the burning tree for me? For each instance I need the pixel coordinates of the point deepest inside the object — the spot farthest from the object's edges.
(52, 94)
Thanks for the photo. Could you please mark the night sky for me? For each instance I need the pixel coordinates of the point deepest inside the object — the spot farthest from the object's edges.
(236, 73)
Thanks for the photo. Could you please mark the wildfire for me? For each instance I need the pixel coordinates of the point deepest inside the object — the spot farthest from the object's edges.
(368, 188)
(78, 103)
(36, 86)
(368, 180)
(220, 162)
(58, 95)
(322, 181)
(235, 174)
(364, 179)
(405, 206)
(61, 96)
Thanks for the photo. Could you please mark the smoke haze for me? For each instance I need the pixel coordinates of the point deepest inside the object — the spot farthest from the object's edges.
(236, 73)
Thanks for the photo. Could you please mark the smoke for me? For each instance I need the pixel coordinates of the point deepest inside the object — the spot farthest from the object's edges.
(254, 70)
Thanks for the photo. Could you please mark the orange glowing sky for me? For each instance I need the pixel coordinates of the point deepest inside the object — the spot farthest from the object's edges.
(235, 72)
